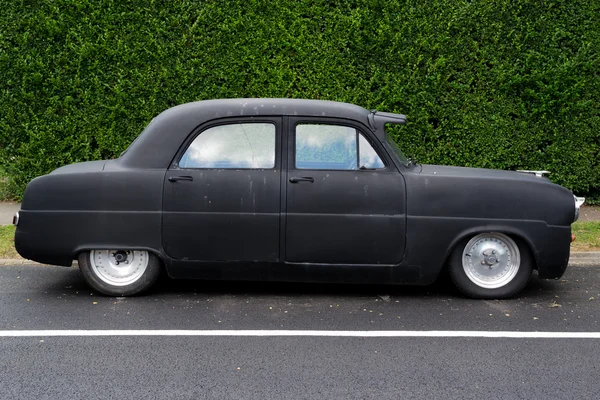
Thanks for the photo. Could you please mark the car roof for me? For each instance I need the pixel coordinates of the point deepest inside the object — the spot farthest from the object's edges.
(247, 107)
(161, 139)
(155, 146)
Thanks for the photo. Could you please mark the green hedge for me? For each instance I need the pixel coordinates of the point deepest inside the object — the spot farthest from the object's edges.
(498, 84)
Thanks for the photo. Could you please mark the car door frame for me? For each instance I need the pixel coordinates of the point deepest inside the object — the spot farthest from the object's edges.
(280, 136)
(289, 124)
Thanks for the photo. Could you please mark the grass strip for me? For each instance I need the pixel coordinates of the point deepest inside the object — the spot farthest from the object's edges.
(588, 236)
(7, 242)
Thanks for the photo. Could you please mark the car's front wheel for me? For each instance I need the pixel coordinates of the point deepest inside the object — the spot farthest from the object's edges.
(490, 265)
(119, 272)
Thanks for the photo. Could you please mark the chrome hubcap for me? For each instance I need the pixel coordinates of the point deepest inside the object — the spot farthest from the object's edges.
(119, 267)
(491, 260)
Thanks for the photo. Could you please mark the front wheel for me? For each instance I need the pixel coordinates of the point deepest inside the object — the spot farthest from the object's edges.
(490, 265)
(119, 272)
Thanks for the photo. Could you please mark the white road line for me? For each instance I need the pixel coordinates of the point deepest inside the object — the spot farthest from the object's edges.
(301, 333)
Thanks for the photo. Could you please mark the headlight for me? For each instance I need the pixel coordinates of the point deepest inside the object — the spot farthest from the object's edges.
(578, 203)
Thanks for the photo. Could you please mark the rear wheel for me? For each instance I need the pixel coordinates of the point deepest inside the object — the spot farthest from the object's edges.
(490, 265)
(119, 272)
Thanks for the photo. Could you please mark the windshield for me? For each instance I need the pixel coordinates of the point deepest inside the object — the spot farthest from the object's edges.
(389, 137)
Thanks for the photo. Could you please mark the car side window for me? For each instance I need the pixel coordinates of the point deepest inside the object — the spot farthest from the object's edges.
(368, 157)
(334, 147)
(247, 145)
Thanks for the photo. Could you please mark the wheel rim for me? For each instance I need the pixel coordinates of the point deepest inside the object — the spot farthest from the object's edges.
(118, 267)
(491, 260)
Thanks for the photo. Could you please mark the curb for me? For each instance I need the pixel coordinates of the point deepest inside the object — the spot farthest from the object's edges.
(585, 255)
(585, 258)
(22, 261)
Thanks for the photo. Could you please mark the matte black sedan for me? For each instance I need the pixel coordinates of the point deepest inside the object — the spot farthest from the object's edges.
(292, 190)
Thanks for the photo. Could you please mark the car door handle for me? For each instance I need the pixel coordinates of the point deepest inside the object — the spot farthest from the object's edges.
(180, 178)
(297, 179)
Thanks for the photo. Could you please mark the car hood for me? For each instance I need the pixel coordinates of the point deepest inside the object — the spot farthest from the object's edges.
(448, 171)
(474, 193)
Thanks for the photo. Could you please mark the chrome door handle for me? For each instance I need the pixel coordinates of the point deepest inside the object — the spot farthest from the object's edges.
(297, 179)
(180, 178)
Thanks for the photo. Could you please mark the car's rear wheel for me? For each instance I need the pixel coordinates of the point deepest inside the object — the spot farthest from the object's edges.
(490, 265)
(119, 272)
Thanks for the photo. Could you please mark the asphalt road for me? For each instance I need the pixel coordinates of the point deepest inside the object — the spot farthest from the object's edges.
(186, 367)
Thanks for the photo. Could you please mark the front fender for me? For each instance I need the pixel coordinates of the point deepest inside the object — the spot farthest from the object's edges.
(430, 240)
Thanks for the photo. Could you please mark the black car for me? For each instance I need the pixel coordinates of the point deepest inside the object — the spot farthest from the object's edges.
(292, 190)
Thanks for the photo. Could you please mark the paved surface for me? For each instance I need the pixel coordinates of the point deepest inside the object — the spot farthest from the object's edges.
(7, 211)
(589, 213)
(583, 258)
(41, 297)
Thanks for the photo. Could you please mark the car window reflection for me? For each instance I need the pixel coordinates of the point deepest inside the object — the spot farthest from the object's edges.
(334, 147)
(232, 146)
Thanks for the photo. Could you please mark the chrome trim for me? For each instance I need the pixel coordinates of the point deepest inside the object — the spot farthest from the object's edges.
(539, 174)
(578, 203)
(16, 219)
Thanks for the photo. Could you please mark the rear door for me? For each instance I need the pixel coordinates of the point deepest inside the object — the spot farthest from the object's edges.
(345, 199)
(222, 193)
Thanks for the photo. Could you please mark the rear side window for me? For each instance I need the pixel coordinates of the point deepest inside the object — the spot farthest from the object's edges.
(334, 147)
(246, 146)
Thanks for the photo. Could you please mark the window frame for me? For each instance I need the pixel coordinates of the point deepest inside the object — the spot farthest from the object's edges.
(275, 121)
(333, 122)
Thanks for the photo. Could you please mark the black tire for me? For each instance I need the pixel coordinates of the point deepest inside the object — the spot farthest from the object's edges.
(470, 288)
(141, 284)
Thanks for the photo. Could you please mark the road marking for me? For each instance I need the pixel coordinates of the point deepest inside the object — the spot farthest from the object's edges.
(300, 333)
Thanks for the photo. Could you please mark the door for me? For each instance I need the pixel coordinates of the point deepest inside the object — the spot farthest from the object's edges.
(345, 199)
(222, 194)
